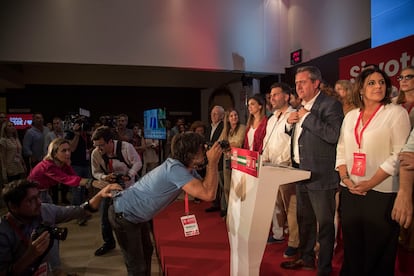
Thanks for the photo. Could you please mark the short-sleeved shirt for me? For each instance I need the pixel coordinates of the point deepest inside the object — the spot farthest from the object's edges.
(154, 191)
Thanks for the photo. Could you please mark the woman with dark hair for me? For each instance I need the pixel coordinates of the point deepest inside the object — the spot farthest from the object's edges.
(256, 123)
(371, 138)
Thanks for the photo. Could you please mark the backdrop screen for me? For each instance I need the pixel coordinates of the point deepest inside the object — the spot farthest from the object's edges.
(154, 124)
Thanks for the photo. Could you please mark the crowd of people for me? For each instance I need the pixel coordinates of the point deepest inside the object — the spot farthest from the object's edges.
(355, 139)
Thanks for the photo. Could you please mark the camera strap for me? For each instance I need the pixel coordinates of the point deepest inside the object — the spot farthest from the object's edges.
(16, 229)
(118, 155)
(26, 241)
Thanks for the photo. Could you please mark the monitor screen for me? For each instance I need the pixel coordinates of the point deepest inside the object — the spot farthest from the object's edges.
(390, 21)
(20, 120)
(154, 124)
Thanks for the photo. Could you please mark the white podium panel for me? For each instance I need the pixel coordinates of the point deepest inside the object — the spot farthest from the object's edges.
(251, 204)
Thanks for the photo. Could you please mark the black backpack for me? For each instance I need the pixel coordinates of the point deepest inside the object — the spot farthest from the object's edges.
(118, 156)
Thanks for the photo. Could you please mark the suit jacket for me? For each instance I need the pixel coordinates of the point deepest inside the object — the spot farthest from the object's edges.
(317, 143)
(214, 138)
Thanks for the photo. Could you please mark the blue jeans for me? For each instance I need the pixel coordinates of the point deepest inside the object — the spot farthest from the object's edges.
(78, 193)
(135, 242)
(316, 207)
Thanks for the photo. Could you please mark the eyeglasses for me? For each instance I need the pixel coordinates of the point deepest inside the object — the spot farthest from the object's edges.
(99, 145)
(406, 77)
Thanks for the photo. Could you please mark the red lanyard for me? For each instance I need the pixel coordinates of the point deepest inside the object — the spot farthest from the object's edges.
(408, 107)
(186, 208)
(16, 229)
(358, 137)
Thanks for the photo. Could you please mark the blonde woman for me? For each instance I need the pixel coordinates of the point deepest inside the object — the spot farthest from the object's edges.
(233, 132)
(55, 168)
(343, 89)
(11, 158)
(406, 95)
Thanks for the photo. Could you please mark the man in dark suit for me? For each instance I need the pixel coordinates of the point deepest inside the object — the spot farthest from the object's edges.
(315, 131)
(213, 132)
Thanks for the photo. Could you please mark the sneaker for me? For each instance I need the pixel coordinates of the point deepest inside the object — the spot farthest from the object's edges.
(290, 252)
(271, 240)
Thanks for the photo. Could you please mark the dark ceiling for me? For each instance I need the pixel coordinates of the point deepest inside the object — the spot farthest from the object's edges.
(20, 75)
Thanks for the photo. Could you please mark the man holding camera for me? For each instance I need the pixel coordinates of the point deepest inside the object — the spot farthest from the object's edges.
(134, 207)
(113, 161)
(28, 229)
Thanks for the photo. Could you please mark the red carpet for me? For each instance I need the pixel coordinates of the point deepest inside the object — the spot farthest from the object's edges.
(209, 252)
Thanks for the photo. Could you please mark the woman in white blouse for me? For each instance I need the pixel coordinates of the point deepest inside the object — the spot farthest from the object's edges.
(371, 138)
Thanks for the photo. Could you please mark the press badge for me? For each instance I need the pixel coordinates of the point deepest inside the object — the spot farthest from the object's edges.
(190, 225)
(360, 163)
(41, 270)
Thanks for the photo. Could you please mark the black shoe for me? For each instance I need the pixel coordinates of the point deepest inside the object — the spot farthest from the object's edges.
(212, 209)
(223, 213)
(298, 264)
(104, 249)
(82, 222)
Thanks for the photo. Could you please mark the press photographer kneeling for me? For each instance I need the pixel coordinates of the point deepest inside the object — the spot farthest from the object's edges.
(28, 229)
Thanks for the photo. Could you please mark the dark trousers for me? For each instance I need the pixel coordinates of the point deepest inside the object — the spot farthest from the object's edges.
(78, 193)
(217, 202)
(135, 243)
(369, 234)
(106, 228)
(315, 214)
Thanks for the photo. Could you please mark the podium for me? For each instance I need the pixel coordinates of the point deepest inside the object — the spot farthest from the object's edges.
(252, 199)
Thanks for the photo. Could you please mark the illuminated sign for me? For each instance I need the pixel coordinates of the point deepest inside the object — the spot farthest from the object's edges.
(296, 57)
(21, 121)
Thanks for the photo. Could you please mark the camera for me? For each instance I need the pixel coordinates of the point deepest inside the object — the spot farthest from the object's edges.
(224, 144)
(56, 233)
(119, 180)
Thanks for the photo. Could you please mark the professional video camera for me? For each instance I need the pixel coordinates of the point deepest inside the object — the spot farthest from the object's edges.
(72, 119)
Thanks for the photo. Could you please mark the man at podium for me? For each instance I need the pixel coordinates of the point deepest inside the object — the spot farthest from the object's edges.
(314, 130)
(277, 151)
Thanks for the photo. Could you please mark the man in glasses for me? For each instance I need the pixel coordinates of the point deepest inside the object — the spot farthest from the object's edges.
(113, 161)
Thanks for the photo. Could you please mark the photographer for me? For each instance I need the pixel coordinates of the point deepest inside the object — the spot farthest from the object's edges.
(135, 206)
(80, 158)
(112, 161)
(21, 253)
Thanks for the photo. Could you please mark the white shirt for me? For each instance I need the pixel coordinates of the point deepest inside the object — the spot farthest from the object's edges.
(276, 144)
(298, 128)
(250, 137)
(382, 140)
(213, 129)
